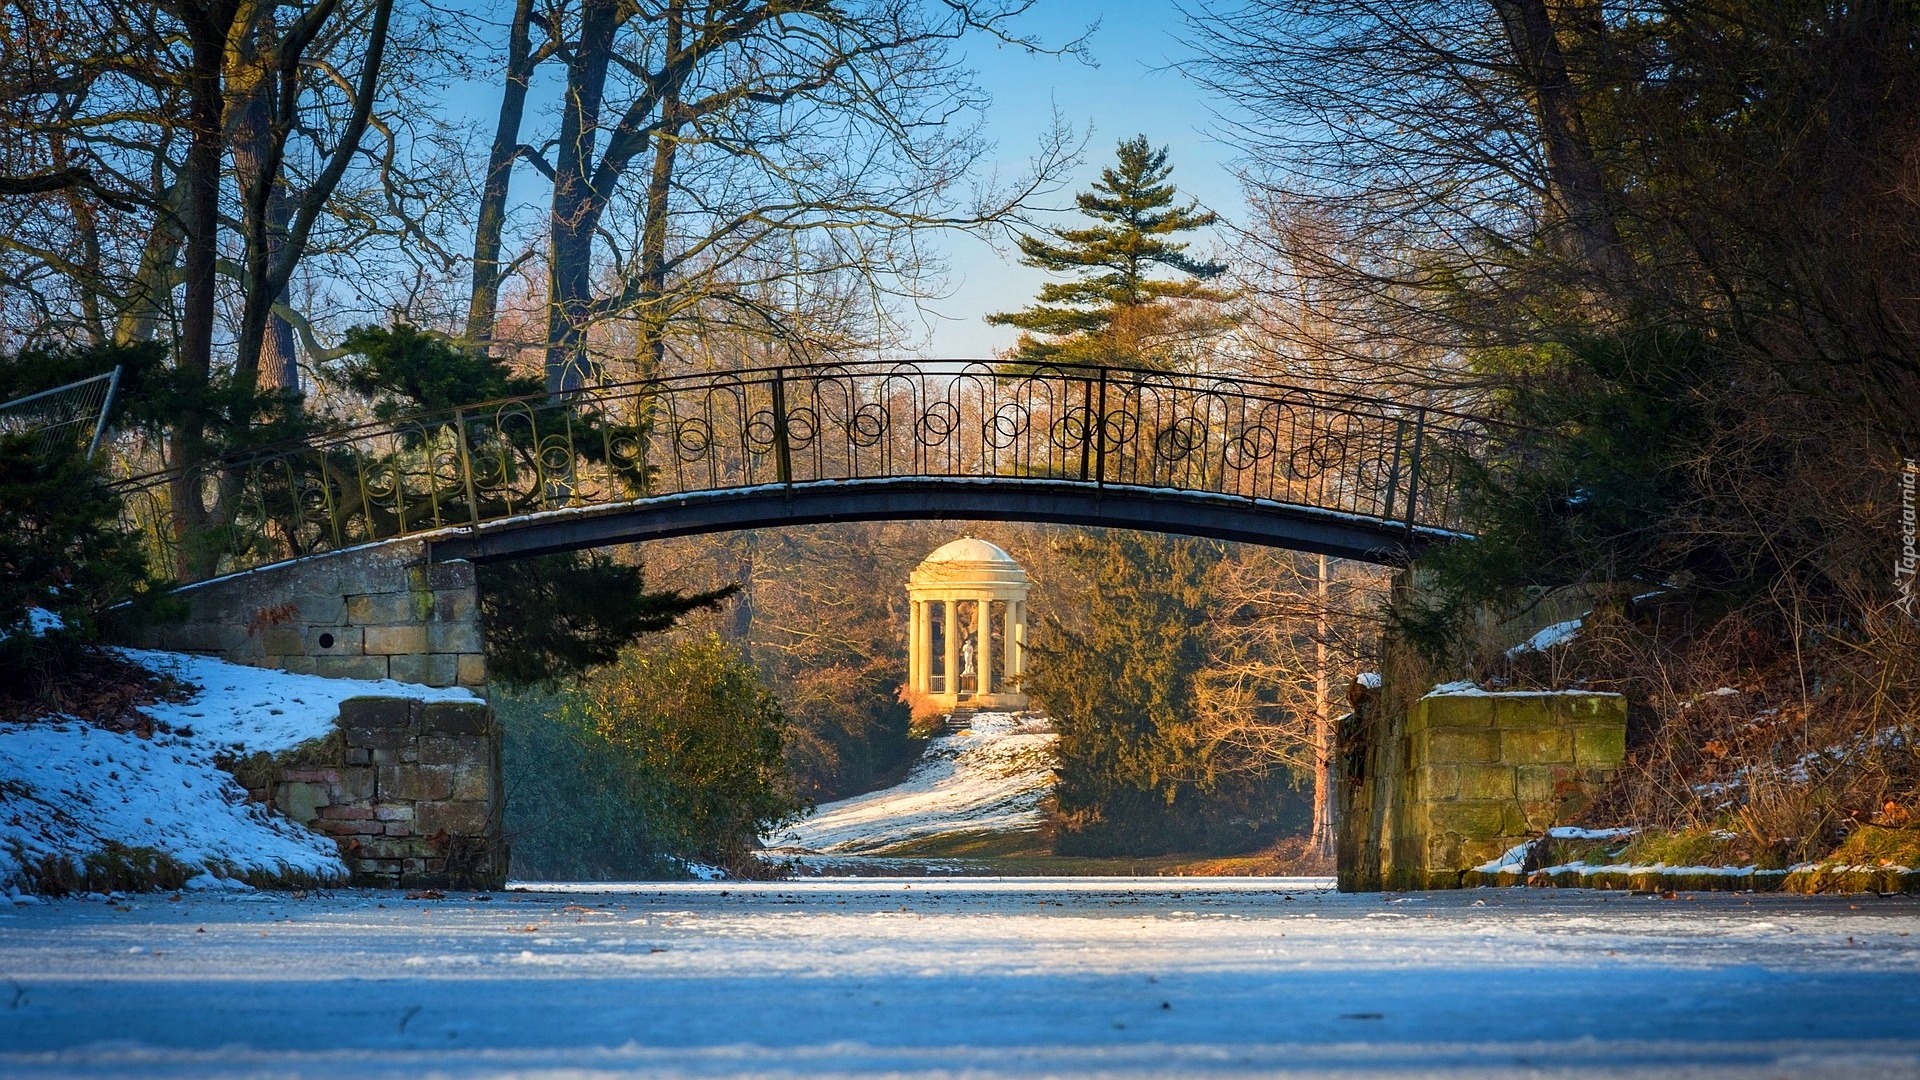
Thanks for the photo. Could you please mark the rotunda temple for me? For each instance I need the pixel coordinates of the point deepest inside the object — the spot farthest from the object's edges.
(969, 607)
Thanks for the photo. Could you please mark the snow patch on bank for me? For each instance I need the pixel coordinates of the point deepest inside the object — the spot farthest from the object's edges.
(1557, 634)
(249, 709)
(990, 778)
(69, 789)
(1515, 857)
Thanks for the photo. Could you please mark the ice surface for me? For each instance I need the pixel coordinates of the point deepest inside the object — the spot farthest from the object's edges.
(70, 788)
(963, 978)
(989, 779)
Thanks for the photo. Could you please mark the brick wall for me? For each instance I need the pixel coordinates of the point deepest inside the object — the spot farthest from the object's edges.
(379, 612)
(410, 790)
(1489, 771)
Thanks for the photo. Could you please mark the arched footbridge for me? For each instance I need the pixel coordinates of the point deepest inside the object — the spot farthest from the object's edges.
(353, 555)
(1216, 456)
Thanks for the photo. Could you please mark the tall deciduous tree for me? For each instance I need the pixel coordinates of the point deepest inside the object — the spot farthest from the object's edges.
(198, 145)
(483, 303)
(717, 163)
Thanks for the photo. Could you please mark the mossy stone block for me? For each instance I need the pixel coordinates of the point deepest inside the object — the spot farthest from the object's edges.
(1602, 747)
(1538, 746)
(1471, 820)
(1486, 782)
(377, 712)
(1450, 746)
(1457, 710)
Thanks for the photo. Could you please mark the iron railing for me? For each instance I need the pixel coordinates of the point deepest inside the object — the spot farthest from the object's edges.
(605, 445)
(65, 414)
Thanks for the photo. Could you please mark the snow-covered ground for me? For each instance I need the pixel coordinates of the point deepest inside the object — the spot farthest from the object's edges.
(962, 977)
(69, 788)
(989, 778)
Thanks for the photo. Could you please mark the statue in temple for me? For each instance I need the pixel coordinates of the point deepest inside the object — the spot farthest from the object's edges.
(966, 658)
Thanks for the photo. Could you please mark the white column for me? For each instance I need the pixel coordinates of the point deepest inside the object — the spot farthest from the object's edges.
(1020, 631)
(914, 667)
(926, 647)
(950, 684)
(1010, 660)
(984, 628)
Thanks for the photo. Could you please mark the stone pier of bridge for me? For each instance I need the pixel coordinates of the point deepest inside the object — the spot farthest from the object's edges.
(411, 791)
(384, 611)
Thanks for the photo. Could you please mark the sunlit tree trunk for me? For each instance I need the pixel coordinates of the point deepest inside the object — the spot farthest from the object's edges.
(653, 237)
(576, 206)
(1323, 826)
(277, 363)
(483, 306)
(208, 26)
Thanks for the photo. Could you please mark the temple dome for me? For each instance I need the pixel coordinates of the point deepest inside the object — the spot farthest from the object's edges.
(969, 550)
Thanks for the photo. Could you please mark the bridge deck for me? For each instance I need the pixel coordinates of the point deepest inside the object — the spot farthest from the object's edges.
(1232, 458)
(1186, 513)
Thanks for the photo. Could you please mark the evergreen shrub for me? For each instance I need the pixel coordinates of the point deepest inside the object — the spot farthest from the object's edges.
(671, 753)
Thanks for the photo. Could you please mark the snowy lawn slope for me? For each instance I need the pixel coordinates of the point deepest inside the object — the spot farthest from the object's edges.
(71, 789)
(989, 779)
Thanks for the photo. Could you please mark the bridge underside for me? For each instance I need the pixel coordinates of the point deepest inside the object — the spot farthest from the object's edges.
(1186, 513)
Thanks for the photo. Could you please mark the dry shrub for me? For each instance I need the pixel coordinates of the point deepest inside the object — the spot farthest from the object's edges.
(1788, 734)
(1293, 856)
(1879, 846)
(113, 868)
(95, 685)
(924, 712)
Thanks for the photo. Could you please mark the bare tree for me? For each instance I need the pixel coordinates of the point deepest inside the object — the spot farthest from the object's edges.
(712, 157)
(1291, 629)
(490, 224)
(1405, 158)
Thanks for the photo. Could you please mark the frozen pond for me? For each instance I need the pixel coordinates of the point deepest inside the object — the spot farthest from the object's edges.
(976, 977)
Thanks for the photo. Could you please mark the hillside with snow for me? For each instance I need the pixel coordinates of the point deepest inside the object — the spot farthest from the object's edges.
(989, 778)
(70, 790)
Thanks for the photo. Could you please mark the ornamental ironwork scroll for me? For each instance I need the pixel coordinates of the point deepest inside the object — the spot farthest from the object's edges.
(603, 446)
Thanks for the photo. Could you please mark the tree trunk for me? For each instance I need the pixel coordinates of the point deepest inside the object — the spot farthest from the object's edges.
(269, 271)
(207, 29)
(576, 206)
(484, 304)
(147, 304)
(279, 363)
(1323, 793)
(276, 365)
(1576, 190)
(652, 345)
(738, 622)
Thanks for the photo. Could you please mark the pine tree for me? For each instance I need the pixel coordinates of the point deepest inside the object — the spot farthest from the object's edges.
(1140, 772)
(556, 617)
(1117, 310)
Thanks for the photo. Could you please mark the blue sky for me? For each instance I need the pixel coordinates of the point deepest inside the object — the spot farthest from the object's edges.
(1131, 87)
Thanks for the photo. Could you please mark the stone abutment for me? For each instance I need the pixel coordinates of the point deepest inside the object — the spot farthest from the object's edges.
(409, 789)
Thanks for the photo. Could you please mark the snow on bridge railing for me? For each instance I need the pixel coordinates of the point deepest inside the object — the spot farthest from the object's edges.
(610, 444)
